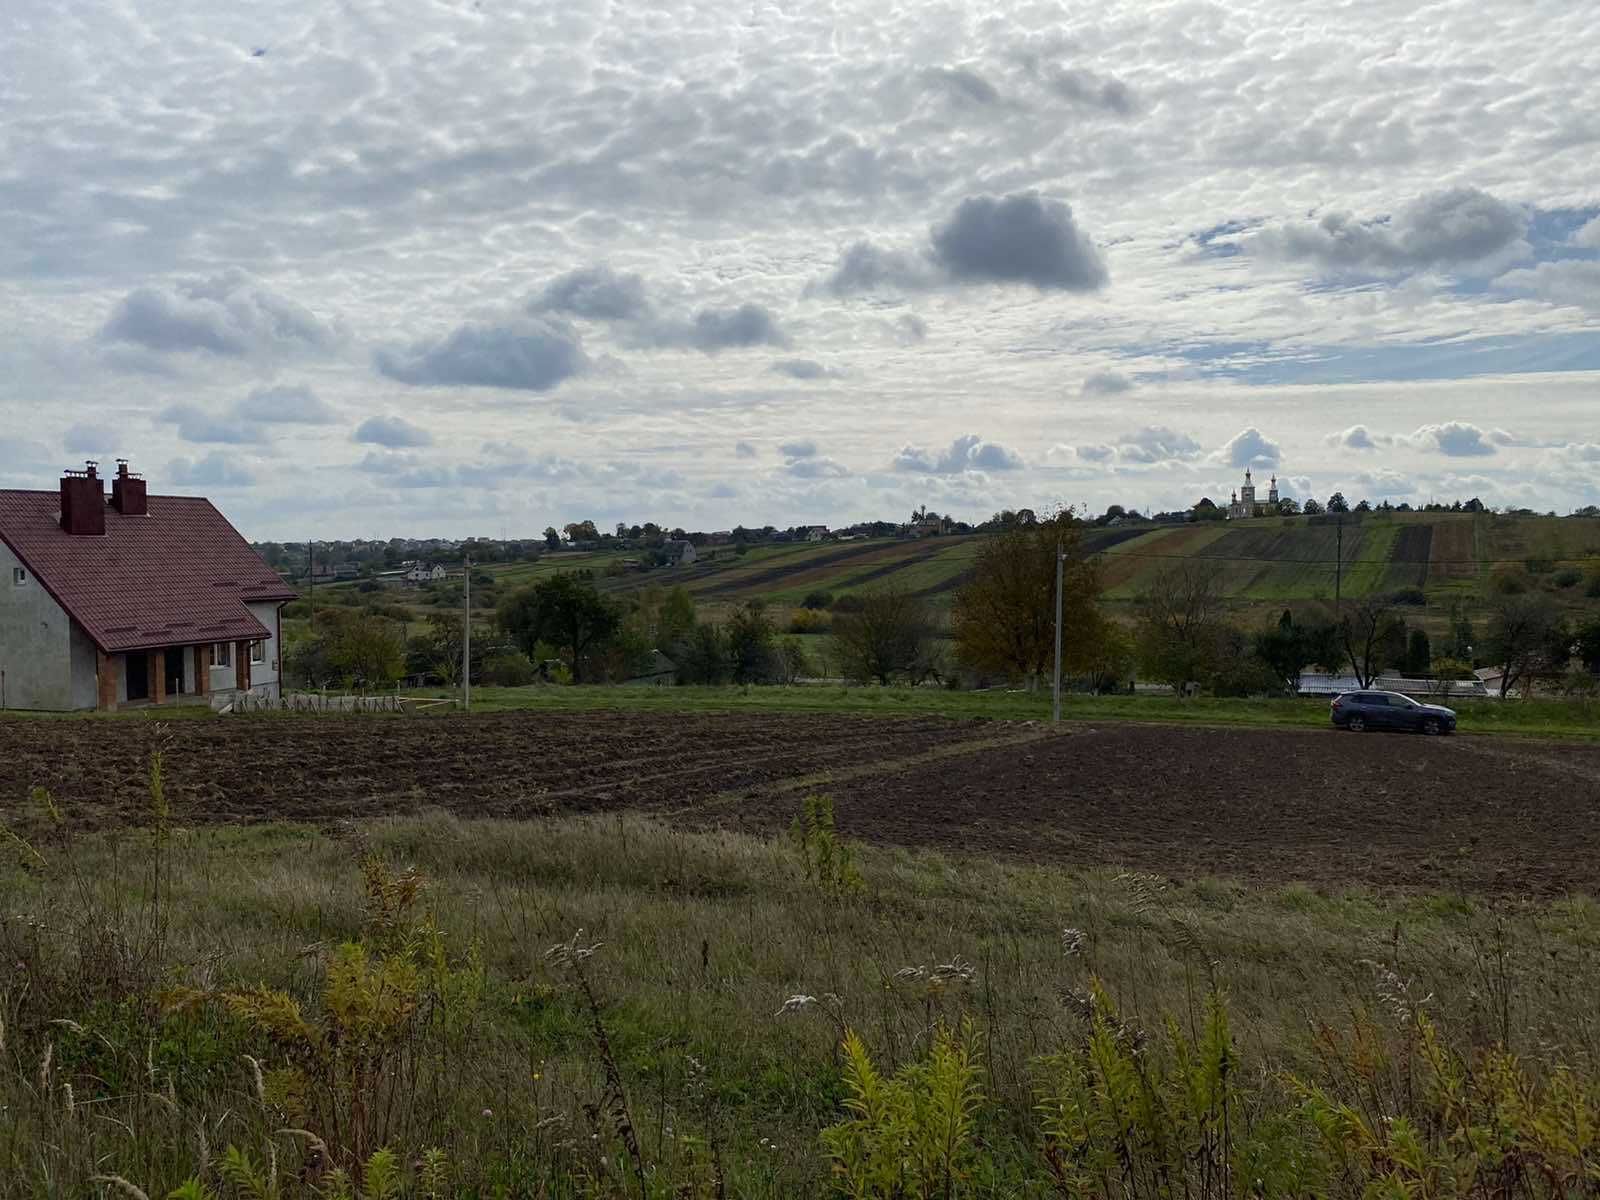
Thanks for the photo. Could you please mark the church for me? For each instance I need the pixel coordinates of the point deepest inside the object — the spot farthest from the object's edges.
(1244, 504)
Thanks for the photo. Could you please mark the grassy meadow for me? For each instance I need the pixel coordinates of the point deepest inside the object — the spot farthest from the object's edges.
(607, 1007)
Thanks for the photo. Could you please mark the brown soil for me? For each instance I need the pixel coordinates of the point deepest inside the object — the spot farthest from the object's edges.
(1476, 814)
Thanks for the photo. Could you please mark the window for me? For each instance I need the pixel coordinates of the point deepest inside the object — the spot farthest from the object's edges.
(19, 576)
(222, 654)
(258, 652)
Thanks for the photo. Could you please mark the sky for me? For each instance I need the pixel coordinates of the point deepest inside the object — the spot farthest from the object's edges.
(471, 267)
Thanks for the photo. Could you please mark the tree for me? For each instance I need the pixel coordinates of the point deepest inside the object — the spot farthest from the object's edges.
(1337, 503)
(358, 649)
(1108, 661)
(1181, 623)
(1362, 506)
(1528, 638)
(1311, 508)
(581, 531)
(888, 638)
(1368, 631)
(749, 634)
(1461, 636)
(702, 657)
(1004, 620)
(1587, 640)
(1419, 653)
(552, 539)
(564, 611)
(1288, 647)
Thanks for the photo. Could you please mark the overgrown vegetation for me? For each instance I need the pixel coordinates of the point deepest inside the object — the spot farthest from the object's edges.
(415, 1009)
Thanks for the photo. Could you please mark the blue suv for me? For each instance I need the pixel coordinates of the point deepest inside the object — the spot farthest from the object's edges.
(1358, 711)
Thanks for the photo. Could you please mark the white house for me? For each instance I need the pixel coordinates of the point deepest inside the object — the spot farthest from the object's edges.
(139, 599)
(679, 551)
(424, 573)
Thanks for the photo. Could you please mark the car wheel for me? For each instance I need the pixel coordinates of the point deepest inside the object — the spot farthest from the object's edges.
(1430, 727)
(1356, 724)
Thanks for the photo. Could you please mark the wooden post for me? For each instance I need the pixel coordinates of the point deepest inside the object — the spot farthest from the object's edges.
(106, 668)
(202, 670)
(241, 666)
(157, 690)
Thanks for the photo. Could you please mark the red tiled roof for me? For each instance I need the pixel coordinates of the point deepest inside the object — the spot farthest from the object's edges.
(179, 576)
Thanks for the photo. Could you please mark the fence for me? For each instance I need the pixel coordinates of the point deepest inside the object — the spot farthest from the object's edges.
(320, 702)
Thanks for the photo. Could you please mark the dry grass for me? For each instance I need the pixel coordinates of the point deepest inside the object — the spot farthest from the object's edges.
(703, 938)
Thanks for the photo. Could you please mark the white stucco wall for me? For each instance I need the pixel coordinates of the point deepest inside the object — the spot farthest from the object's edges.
(266, 674)
(35, 643)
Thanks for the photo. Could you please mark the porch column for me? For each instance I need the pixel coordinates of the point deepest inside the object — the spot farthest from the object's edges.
(106, 672)
(202, 670)
(158, 676)
(241, 665)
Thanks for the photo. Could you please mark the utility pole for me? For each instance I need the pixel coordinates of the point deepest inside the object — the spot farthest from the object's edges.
(311, 584)
(1338, 563)
(466, 633)
(1055, 699)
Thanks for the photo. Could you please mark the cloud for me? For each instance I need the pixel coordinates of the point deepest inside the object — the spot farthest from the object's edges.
(533, 354)
(1384, 482)
(214, 470)
(1589, 235)
(744, 450)
(1570, 281)
(1358, 437)
(1090, 90)
(1105, 383)
(1096, 452)
(714, 330)
(819, 467)
(287, 405)
(394, 432)
(1250, 448)
(232, 315)
(967, 453)
(1021, 238)
(803, 368)
(594, 293)
(196, 425)
(806, 449)
(909, 329)
(87, 439)
(1457, 439)
(1458, 227)
(1156, 444)
(963, 84)
(24, 459)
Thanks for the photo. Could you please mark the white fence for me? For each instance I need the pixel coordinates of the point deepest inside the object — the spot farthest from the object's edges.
(319, 702)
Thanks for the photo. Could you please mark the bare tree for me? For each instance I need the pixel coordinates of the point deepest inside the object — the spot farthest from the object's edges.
(1369, 630)
(1528, 637)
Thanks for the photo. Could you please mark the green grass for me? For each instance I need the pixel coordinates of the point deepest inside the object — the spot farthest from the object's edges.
(1539, 718)
(702, 938)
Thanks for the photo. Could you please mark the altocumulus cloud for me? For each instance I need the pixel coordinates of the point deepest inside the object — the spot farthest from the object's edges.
(1023, 238)
(802, 368)
(595, 293)
(1457, 439)
(196, 425)
(713, 330)
(285, 405)
(232, 315)
(1453, 228)
(1157, 444)
(967, 453)
(1106, 383)
(532, 354)
(394, 432)
(214, 470)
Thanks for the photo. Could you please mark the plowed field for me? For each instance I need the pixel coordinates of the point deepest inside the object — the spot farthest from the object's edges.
(1478, 814)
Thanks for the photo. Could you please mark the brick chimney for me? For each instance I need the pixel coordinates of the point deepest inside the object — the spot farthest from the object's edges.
(83, 504)
(127, 492)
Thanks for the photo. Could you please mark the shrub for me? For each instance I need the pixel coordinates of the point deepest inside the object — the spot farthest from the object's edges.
(1412, 596)
(508, 668)
(817, 599)
(1567, 577)
(848, 604)
(1508, 583)
(808, 620)
(827, 859)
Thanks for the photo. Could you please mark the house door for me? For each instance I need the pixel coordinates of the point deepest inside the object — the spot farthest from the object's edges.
(174, 658)
(136, 666)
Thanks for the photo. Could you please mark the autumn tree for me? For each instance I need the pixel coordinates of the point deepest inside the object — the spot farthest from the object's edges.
(565, 612)
(1289, 645)
(1004, 620)
(1182, 623)
(889, 637)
